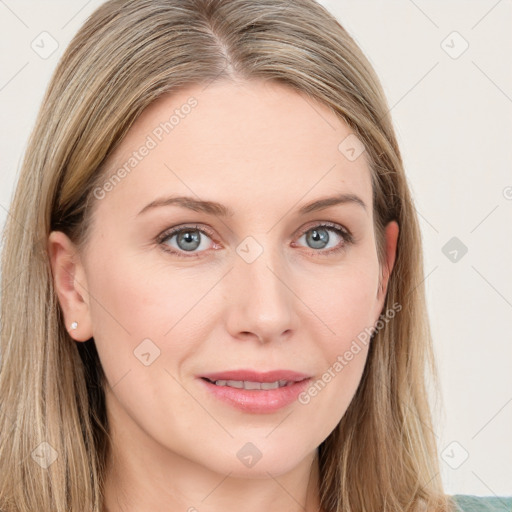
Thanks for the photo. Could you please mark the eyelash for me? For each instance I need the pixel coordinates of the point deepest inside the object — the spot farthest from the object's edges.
(347, 237)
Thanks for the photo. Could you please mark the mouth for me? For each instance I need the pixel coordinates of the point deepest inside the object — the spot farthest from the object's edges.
(251, 379)
(247, 384)
(256, 392)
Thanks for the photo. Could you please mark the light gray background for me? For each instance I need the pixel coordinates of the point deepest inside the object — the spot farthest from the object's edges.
(452, 113)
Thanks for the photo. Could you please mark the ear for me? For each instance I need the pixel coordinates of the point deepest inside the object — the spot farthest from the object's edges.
(391, 236)
(70, 285)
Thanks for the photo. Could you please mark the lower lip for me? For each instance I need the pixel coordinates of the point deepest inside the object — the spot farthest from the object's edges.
(257, 400)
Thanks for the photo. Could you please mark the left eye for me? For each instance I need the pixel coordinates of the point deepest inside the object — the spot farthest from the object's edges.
(318, 237)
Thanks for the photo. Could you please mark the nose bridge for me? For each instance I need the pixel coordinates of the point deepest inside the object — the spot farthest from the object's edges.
(263, 304)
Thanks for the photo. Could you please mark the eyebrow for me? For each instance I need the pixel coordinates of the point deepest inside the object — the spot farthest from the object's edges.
(214, 208)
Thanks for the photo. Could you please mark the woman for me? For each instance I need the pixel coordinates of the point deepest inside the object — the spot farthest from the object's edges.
(219, 275)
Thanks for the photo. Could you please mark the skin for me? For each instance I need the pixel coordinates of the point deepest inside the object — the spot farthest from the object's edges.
(263, 150)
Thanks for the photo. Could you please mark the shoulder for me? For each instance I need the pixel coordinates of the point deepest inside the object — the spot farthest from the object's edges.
(469, 503)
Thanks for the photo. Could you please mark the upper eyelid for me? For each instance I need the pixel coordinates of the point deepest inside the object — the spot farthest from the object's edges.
(173, 231)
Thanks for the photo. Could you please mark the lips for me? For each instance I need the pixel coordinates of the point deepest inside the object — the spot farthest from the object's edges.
(254, 376)
(246, 389)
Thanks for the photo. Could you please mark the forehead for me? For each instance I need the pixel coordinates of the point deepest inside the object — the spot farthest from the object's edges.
(241, 140)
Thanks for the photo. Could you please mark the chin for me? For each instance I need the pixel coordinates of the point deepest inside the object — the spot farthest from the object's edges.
(259, 459)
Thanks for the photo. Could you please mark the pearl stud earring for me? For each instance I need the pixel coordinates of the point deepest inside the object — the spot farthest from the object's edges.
(74, 325)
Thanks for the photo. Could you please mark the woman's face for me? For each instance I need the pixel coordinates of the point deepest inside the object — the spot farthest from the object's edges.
(260, 283)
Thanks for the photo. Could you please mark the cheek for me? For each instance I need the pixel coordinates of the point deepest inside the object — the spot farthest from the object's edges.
(132, 302)
(133, 307)
(346, 311)
(140, 299)
(126, 309)
(346, 302)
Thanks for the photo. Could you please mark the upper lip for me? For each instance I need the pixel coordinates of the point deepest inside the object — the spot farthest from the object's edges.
(254, 376)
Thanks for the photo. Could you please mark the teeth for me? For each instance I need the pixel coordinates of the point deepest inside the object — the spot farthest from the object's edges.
(245, 384)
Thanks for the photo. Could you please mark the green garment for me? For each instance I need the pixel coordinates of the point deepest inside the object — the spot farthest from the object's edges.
(469, 503)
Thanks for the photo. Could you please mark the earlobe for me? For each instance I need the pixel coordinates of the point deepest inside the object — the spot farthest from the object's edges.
(70, 284)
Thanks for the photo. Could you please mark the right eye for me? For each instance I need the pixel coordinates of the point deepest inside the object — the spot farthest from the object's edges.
(185, 239)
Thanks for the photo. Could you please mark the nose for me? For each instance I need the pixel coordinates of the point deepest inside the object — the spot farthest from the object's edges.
(262, 304)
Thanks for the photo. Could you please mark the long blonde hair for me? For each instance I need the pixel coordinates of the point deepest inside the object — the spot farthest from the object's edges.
(382, 455)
